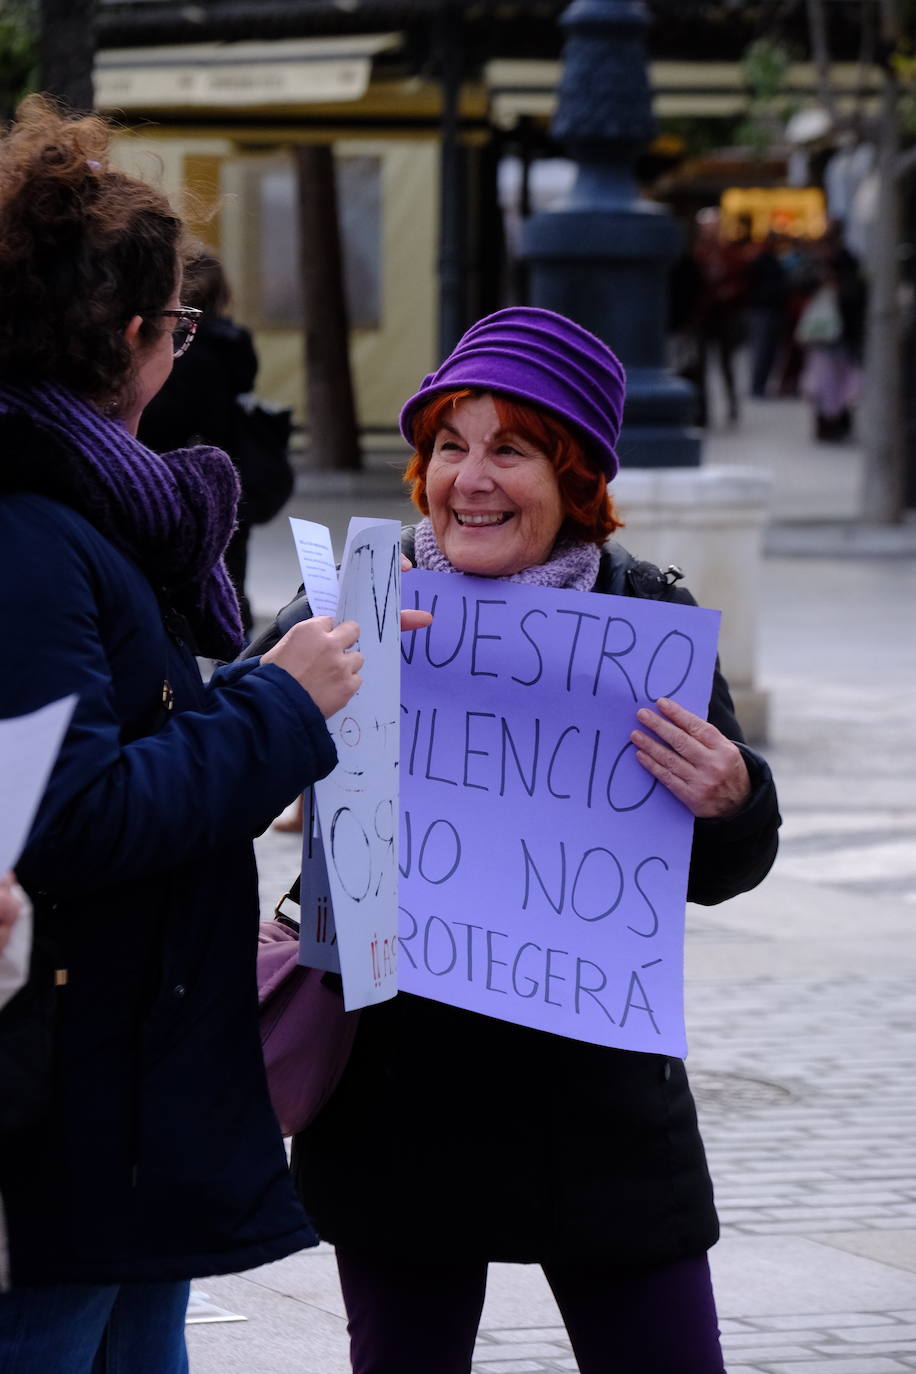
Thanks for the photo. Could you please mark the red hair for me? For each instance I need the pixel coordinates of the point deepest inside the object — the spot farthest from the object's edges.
(590, 516)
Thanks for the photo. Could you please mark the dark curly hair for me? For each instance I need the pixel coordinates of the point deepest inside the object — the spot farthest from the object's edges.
(83, 249)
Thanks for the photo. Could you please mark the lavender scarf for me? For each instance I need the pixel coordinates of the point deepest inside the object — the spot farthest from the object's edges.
(569, 565)
(172, 513)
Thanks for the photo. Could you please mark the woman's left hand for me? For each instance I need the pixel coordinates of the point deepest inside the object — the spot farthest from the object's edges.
(694, 760)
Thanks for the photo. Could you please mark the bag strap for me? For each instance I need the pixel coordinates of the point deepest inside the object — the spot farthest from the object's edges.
(285, 919)
(328, 979)
(620, 574)
(409, 542)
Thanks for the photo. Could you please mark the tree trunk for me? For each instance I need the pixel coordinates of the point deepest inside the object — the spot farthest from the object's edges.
(453, 206)
(331, 410)
(883, 497)
(820, 51)
(66, 51)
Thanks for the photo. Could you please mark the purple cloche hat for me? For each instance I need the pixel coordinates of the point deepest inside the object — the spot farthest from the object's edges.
(541, 357)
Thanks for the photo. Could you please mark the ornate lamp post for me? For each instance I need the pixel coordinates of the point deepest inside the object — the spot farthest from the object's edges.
(602, 258)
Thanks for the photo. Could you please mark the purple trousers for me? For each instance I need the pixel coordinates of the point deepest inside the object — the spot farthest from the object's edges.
(416, 1318)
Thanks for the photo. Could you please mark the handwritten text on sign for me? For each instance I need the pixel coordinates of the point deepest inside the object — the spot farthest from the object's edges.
(543, 870)
(358, 802)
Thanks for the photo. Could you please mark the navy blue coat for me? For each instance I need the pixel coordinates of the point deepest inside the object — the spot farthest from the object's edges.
(160, 1157)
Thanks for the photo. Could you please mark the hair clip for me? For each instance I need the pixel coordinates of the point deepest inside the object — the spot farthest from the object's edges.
(95, 166)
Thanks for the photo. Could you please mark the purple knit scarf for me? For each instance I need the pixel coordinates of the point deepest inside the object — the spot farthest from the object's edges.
(569, 565)
(173, 513)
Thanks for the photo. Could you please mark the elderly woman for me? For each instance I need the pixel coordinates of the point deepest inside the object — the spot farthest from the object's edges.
(139, 1148)
(442, 1148)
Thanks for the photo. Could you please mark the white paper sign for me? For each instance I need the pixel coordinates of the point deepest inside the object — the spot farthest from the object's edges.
(316, 564)
(28, 747)
(317, 937)
(317, 931)
(358, 802)
(359, 523)
(202, 1308)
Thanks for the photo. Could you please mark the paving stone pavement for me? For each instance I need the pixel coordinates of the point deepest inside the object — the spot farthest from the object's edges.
(801, 1017)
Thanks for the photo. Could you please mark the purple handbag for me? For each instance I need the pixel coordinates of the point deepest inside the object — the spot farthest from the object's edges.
(306, 1035)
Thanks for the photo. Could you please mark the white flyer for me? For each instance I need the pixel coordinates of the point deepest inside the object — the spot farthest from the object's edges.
(358, 801)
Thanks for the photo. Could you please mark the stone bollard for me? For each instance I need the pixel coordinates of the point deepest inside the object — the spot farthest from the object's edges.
(710, 521)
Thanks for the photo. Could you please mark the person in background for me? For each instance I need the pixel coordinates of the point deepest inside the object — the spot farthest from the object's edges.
(198, 402)
(455, 1139)
(684, 351)
(722, 319)
(796, 258)
(152, 1155)
(832, 370)
(767, 290)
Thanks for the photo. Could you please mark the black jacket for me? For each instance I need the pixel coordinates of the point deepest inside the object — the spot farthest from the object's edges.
(197, 402)
(454, 1134)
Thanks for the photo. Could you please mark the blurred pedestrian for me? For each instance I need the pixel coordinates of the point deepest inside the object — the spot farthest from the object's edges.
(831, 330)
(722, 324)
(198, 404)
(685, 304)
(801, 283)
(154, 1155)
(766, 296)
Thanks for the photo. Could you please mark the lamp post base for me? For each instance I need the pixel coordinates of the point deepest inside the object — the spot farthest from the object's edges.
(606, 268)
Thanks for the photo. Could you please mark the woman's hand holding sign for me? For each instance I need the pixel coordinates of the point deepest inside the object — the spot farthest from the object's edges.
(695, 761)
(321, 657)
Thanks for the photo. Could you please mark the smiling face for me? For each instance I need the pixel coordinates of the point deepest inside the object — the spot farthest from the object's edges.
(494, 499)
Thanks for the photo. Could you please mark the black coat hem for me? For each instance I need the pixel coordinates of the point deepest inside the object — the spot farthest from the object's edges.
(457, 1249)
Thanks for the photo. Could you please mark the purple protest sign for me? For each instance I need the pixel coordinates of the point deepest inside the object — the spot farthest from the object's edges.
(543, 870)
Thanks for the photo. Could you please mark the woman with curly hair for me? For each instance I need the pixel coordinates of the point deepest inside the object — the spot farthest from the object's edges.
(148, 1152)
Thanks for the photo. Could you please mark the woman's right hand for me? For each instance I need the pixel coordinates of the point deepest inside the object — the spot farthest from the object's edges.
(413, 620)
(319, 655)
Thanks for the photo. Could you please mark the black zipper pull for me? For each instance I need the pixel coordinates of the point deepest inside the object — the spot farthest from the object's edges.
(175, 625)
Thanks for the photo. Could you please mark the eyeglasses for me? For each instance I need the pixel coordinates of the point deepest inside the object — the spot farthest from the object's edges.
(184, 328)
